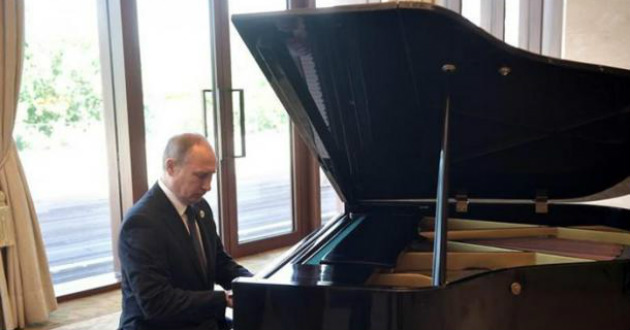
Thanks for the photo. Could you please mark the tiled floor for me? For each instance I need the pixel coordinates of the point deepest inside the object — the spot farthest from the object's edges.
(102, 311)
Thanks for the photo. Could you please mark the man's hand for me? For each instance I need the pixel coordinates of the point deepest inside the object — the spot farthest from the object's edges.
(229, 299)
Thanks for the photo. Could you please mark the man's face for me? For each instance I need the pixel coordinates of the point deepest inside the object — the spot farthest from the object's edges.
(191, 178)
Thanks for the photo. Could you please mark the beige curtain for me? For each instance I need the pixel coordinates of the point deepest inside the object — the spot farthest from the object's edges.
(25, 285)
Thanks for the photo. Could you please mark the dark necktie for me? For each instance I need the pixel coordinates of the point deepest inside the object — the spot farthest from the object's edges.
(191, 214)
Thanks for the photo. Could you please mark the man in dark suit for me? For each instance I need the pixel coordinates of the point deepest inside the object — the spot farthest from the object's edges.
(169, 250)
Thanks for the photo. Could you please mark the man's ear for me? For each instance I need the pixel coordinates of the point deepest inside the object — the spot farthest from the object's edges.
(170, 166)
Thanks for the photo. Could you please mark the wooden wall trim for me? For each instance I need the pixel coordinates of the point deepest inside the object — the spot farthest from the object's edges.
(306, 188)
(123, 108)
(222, 98)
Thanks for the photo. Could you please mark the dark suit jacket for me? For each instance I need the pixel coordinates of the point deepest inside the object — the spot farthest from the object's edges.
(162, 282)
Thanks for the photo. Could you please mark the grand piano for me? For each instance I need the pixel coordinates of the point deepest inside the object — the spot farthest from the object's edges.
(467, 167)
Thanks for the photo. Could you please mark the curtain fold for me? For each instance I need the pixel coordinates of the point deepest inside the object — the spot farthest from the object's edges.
(26, 290)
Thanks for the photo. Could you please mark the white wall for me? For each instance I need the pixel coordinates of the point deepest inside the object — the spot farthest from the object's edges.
(598, 31)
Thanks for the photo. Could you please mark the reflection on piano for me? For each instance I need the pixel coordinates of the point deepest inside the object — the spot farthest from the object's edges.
(460, 160)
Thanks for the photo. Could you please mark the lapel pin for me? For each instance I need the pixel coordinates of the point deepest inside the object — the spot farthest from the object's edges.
(202, 214)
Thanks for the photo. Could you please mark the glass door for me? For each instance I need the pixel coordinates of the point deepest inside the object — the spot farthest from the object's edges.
(176, 76)
(61, 137)
(193, 60)
(263, 166)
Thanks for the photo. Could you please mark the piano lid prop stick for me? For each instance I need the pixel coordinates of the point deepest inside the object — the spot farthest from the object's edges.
(441, 203)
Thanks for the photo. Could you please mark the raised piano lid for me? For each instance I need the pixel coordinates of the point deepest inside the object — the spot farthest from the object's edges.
(366, 87)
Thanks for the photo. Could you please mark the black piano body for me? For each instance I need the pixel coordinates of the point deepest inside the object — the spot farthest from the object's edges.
(422, 121)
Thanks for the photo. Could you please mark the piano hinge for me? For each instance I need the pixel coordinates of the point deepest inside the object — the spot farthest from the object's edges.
(461, 205)
(542, 204)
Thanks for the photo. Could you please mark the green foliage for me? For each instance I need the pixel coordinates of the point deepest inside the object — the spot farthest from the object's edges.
(21, 143)
(58, 92)
(263, 111)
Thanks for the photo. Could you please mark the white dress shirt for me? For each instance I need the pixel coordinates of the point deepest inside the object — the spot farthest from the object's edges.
(180, 208)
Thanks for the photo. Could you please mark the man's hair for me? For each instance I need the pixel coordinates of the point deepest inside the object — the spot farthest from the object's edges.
(178, 146)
